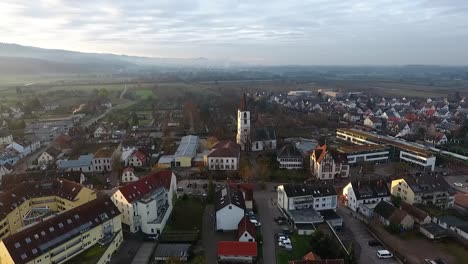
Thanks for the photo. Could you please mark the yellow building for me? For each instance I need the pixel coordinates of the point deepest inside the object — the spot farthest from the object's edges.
(31, 202)
(66, 235)
(401, 189)
(424, 189)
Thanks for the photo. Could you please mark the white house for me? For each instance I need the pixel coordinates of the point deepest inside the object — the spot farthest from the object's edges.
(224, 155)
(128, 175)
(101, 131)
(326, 164)
(373, 122)
(26, 146)
(437, 138)
(363, 196)
(147, 203)
(229, 207)
(102, 160)
(289, 157)
(300, 196)
(49, 156)
(136, 159)
(6, 138)
(246, 230)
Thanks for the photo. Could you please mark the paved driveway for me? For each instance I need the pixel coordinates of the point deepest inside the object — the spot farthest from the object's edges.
(267, 211)
(127, 250)
(362, 236)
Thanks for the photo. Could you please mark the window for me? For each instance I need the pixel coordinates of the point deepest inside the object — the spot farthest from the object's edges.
(230, 207)
(245, 114)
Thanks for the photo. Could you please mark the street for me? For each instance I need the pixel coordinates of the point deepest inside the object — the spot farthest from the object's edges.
(362, 236)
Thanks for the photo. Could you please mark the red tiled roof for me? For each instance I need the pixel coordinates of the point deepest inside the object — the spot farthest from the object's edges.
(128, 169)
(225, 148)
(245, 188)
(235, 248)
(245, 225)
(135, 190)
(139, 155)
(39, 239)
(321, 151)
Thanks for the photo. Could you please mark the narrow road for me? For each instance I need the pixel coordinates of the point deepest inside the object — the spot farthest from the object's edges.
(123, 92)
(267, 211)
(209, 237)
(120, 106)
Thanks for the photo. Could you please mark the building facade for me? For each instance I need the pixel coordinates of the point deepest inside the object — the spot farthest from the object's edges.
(229, 207)
(290, 158)
(224, 155)
(363, 196)
(66, 235)
(30, 202)
(326, 164)
(147, 203)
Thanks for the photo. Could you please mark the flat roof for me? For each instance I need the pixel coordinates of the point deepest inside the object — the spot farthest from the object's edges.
(305, 216)
(382, 139)
(187, 147)
(361, 148)
(172, 250)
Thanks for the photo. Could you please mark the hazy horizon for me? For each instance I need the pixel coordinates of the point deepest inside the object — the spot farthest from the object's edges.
(274, 33)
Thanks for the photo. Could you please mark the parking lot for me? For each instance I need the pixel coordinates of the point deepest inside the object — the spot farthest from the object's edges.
(453, 181)
(362, 236)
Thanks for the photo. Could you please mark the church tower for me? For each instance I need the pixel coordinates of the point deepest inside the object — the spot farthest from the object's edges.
(243, 125)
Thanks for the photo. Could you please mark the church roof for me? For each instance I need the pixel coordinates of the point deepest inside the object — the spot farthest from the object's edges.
(243, 103)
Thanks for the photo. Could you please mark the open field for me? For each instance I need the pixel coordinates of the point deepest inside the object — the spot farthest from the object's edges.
(186, 209)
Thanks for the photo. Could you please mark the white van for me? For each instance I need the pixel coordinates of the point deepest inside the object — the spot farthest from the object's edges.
(384, 254)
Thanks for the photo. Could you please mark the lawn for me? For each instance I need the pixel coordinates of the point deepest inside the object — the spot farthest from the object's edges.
(187, 215)
(301, 246)
(143, 94)
(89, 256)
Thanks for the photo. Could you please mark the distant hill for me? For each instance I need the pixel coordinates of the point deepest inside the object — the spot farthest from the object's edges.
(29, 60)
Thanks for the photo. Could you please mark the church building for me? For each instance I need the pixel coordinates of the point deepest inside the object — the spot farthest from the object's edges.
(250, 137)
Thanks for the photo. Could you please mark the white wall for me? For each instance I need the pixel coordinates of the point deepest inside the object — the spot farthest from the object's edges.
(215, 163)
(228, 218)
(246, 237)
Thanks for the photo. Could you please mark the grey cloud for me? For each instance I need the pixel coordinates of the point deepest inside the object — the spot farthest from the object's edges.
(288, 32)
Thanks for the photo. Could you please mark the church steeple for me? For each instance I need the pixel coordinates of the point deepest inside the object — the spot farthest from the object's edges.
(243, 103)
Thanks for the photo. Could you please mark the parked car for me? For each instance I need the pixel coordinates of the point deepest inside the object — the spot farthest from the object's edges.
(281, 238)
(150, 237)
(280, 235)
(205, 185)
(255, 222)
(281, 222)
(280, 218)
(374, 243)
(284, 243)
(384, 254)
(429, 261)
(458, 184)
(288, 247)
(250, 213)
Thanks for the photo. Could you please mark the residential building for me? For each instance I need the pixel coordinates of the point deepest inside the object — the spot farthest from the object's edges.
(424, 189)
(101, 131)
(147, 203)
(362, 196)
(454, 224)
(229, 208)
(83, 163)
(102, 159)
(359, 154)
(9, 156)
(6, 137)
(128, 175)
(30, 202)
(65, 236)
(326, 164)
(186, 151)
(373, 122)
(289, 157)
(4, 170)
(302, 196)
(224, 155)
(436, 139)
(49, 156)
(237, 252)
(136, 159)
(246, 230)
(247, 192)
(400, 149)
(388, 215)
(26, 146)
(420, 217)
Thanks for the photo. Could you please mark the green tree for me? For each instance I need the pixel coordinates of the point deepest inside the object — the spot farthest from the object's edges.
(134, 119)
(396, 200)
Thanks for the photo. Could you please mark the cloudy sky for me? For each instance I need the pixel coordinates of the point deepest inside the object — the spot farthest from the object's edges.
(250, 31)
